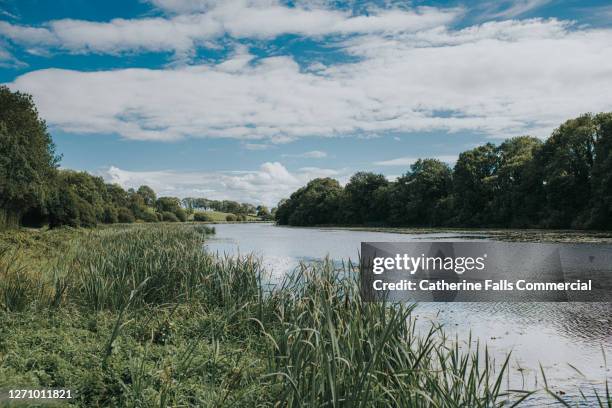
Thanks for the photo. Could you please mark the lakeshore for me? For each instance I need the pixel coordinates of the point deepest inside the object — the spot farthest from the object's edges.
(140, 314)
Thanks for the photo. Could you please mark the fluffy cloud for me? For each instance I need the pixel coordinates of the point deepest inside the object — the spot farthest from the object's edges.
(183, 33)
(500, 78)
(267, 185)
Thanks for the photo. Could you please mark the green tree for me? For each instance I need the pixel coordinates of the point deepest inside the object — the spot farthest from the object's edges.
(600, 213)
(148, 195)
(517, 197)
(27, 158)
(566, 160)
(417, 197)
(361, 204)
(171, 204)
(262, 212)
(89, 188)
(117, 195)
(316, 203)
(73, 202)
(474, 185)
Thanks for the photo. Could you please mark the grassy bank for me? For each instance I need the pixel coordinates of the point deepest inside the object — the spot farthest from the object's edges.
(141, 316)
(218, 216)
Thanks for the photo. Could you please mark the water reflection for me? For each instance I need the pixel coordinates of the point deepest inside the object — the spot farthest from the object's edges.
(562, 337)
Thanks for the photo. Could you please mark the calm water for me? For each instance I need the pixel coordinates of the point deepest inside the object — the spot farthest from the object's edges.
(555, 335)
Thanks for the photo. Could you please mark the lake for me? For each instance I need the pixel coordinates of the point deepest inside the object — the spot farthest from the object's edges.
(555, 335)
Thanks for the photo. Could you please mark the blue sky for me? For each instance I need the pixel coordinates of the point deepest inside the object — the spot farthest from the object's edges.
(249, 99)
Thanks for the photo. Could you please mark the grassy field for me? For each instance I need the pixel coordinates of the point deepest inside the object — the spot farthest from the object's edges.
(141, 316)
(218, 216)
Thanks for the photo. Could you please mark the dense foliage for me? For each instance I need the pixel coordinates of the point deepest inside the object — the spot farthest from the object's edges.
(34, 192)
(141, 316)
(563, 182)
(27, 157)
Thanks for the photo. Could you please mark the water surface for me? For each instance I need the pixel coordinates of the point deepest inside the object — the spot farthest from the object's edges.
(558, 336)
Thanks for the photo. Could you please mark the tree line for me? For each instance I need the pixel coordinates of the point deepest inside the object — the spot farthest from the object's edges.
(35, 192)
(562, 182)
(227, 206)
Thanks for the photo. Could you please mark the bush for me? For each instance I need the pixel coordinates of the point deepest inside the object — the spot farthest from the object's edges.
(148, 216)
(201, 216)
(241, 217)
(181, 214)
(231, 218)
(87, 214)
(110, 215)
(125, 215)
(169, 217)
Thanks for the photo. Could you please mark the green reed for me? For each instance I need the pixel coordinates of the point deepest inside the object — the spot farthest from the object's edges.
(311, 340)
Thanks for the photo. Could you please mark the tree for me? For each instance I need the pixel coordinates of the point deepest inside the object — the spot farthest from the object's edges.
(230, 207)
(316, 203)
(567, 159)
(517, 183)
(246, 208)
(148, 195)
(361, 205)
(117, 195)
(473, 185)
(600, 213)
(262, 212)
(417, 197)
(171, 204)
(89, 188)
(27, 158)
(71, 204)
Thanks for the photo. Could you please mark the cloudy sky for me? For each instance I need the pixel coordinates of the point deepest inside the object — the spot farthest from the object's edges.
(249, 99)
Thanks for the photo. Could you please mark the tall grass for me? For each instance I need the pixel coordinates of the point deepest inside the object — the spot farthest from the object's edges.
(317, 343)
(330, 348)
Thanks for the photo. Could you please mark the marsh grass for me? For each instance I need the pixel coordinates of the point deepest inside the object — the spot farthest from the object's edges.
(142, 316)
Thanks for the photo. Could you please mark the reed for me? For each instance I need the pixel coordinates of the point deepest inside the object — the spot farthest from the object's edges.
(143, 316)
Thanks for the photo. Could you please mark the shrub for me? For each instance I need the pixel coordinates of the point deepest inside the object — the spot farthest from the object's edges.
(148, 216)
(110, 215)
(231, 218)
(125, 215)
(169, 217)
(201, 216)
(181, 214)
(87, 214)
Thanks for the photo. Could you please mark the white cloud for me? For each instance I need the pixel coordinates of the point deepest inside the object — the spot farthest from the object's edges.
(184, 6)
(512, 8)
(7, 59)
(500, 78)
(408, 161)
(256, 146)
(5, 55)
(314, 154)
(267, 185)
(183, 33)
